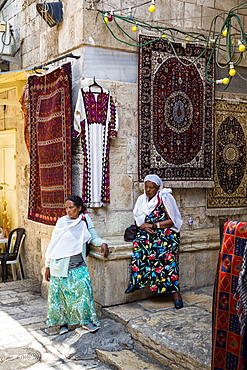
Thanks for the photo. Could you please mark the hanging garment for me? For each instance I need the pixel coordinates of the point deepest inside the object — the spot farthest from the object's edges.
(96, 120)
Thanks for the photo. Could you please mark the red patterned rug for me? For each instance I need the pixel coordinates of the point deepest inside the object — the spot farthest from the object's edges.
(50, 144)
(175, 112)
(227, 340)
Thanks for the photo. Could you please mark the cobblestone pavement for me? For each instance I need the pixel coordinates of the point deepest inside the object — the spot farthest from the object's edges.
(178, 339)
(24, 341)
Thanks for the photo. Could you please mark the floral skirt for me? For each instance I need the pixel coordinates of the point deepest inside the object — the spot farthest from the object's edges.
(155, 260)
(70, 299)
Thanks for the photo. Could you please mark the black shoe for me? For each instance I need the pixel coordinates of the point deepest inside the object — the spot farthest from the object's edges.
(131, 288)
(178, 303)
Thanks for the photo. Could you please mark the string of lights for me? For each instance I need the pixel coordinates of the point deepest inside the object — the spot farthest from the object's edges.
(226, 46)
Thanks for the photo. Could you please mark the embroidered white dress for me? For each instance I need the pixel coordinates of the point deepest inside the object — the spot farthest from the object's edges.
(96, 119)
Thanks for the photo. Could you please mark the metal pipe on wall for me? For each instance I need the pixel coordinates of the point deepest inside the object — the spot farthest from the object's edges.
(2, 4)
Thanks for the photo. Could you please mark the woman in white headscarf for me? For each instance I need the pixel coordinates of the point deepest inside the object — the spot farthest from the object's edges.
(155, 255)
(70, 296)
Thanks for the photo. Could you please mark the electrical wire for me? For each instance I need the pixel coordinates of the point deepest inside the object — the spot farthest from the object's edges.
(222, 45)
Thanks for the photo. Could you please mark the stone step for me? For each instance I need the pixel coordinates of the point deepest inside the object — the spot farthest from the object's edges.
(178, 339)
(128, 360)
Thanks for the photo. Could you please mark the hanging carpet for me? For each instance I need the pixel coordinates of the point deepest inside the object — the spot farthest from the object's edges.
(230, 189)
(175, 113)
(50, 144)
(228, 339)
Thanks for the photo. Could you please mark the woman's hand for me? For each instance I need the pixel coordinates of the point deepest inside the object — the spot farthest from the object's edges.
(47, 274)
(148, 228)
(146, 225)
(104, 249)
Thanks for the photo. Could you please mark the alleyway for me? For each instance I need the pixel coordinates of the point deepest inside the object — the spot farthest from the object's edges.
(148, 334)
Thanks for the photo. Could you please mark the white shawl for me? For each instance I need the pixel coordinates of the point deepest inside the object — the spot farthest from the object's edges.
(68, 238)
(144, 207)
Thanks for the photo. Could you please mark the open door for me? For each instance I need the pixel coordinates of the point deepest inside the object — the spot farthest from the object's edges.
(8, 176)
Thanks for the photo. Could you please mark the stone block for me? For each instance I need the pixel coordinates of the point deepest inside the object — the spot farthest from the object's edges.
(192, 16)
(127, 98)
(98, 216)
(96, 33)
(110, 276)
(118, 156)
(65, 34)
(121, 190)
(132, 155)
(128, 120)
(193, 198)
(187, 265)
(173, 13)
(206, 261)
(206, 3)
(225, 5)
(118, 221)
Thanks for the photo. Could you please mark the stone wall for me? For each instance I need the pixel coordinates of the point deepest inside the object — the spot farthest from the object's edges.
(81, 30)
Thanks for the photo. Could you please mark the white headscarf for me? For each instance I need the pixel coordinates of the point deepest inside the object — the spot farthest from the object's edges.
(68, 238)
(144, 206)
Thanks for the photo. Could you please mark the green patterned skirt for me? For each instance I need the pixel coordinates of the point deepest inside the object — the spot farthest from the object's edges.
(70, 299)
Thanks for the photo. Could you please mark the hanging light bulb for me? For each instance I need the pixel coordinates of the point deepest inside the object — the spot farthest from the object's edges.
(110, 16)
(130, 16)
(152, 7)
(224, 32)
(187, 39)
(226, 81)
(241, 46)
(134, 28)
(232, 70)
(105, 19)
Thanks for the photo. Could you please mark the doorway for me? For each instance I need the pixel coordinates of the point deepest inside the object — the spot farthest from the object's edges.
(8, 176)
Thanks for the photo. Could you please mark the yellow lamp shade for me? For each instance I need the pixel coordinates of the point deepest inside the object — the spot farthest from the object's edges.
(232, 72)
(225, 81)
(152, 8)
(164, 36)
(241, 48)
(134, 28)
(224, 33)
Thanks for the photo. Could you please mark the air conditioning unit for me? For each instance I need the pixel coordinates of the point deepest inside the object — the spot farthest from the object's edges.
(6, 39)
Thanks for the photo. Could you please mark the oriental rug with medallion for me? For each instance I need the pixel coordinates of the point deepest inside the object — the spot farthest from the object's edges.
(50, 144)
(175, 113)
(230, 178)
(228, 339)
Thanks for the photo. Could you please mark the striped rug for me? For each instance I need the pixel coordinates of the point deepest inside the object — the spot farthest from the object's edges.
(50, 144)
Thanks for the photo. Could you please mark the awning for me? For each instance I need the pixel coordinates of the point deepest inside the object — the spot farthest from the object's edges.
(13, 80)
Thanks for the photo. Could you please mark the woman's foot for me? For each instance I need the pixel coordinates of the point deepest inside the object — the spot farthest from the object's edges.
(178, 302)
(90, 327)
(131, 288)
(63, 329)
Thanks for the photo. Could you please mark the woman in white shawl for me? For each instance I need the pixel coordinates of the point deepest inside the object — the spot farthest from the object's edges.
(70, 297)
(155, 255)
